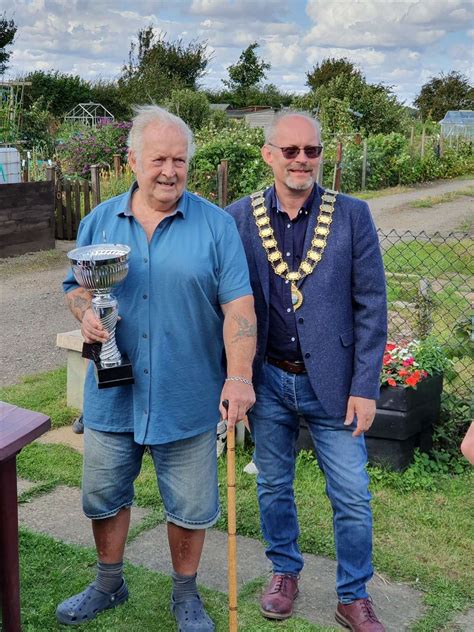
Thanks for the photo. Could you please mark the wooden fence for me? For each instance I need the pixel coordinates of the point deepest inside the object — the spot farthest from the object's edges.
(26, 218)
(73, 200)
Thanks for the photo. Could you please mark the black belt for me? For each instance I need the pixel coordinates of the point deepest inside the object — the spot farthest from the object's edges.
(286, 365)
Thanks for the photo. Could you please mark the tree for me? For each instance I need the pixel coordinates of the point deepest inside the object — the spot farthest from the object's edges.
(156, 67)
(60, 92)
(8, 30)
(349, 104)
(192, 107)
(330, 68)
(246, 74)
(445, 92)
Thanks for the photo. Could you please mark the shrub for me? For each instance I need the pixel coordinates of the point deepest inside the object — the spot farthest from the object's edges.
(94, 146)
(240, 145)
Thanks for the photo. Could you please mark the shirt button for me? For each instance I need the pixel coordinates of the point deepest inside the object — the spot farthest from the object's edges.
(286, 281)
(144, 336)
(145, 371)
(145, 412)
(301, 320)
(288, 225)
(288, 254)
(145, 296)
(288, 309)
(307, 355)
(293, 338)
(145, 259)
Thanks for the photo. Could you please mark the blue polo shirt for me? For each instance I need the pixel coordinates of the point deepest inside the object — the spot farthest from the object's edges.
(171, 321)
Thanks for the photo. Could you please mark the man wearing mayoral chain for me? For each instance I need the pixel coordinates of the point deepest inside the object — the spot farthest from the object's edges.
(186, 300)
(318, 281)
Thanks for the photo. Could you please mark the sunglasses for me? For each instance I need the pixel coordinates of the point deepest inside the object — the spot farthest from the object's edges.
(311, 151)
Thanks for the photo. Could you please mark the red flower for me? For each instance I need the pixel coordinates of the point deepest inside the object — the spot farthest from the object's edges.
(391, 382)
(408, 362)
(412, 380)
(390, 346)
(387, 359)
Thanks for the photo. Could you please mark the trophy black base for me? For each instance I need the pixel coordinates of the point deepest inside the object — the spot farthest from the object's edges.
(107, 377)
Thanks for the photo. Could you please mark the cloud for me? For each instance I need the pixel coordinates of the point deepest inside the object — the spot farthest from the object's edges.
(264, 10)
(384, 24)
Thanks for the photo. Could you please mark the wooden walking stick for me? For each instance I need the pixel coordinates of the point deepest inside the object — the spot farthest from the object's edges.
(231, 527)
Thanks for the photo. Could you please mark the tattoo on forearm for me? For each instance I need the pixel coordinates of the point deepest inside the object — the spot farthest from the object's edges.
(245, 329)
(79, 303)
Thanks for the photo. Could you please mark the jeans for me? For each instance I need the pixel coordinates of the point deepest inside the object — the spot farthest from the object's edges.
(282, 398)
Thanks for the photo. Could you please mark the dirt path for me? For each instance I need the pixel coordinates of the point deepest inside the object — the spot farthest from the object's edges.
(394, 212)
(32, 308)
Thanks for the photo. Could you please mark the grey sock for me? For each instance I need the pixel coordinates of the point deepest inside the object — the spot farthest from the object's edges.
(109, 577)
(184, 586)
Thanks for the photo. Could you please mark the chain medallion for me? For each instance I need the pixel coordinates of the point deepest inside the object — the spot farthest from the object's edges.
(316, 249)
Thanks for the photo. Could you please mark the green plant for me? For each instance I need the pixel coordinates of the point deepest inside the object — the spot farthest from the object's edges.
(407, 364)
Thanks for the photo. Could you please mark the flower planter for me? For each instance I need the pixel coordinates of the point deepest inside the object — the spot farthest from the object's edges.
(403, 421)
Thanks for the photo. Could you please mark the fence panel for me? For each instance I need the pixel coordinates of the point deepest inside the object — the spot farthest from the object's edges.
(430, 286)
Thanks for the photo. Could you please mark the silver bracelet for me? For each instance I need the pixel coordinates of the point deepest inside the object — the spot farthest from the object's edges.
(237, 378)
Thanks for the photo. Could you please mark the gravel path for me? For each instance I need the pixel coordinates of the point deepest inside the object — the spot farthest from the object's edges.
(32, 308)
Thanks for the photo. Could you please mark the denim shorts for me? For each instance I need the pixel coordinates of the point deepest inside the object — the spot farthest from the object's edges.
(186, 471)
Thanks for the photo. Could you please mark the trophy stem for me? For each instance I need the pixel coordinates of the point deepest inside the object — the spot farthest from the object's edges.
(105, 308)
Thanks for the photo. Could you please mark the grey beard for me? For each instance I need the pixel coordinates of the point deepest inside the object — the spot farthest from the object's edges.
(299, 187)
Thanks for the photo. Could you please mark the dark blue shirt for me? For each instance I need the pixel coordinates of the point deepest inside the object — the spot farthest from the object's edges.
(283, 342)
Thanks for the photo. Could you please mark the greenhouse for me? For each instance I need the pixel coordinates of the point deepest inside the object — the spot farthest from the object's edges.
(458, 124)
(92, 114)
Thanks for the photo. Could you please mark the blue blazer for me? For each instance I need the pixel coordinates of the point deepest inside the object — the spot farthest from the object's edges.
(342, 323)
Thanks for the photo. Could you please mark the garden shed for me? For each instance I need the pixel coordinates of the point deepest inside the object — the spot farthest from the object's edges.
(458, 124)
(89, 114)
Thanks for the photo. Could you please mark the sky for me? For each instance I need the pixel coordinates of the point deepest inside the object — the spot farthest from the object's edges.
(401, 44)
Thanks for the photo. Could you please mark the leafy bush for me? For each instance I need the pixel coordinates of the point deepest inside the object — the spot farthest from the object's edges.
(240, 145)
(191, 106)
(94, 146)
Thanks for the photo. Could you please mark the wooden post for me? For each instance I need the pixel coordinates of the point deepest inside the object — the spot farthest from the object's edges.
(50, 174)
(422, 152)
(67, 190)
(95, 182)
(321, 172)
(412, 136)
(222, 171)
(441, 146)
(336, 183)
(117, 165)
(364, 164)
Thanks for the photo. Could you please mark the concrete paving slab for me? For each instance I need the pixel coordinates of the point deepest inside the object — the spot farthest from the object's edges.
(23, 485)
(66, 436)
(59, 515)
(317, 599)
(465, 623)
(151, 550)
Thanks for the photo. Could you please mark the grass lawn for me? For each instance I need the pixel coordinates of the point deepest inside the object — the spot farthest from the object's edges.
(423, 532)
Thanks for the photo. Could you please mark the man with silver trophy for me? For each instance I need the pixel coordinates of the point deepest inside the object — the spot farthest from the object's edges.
(180, 277)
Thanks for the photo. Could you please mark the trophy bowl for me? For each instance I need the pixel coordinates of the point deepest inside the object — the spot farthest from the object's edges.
(97, 268)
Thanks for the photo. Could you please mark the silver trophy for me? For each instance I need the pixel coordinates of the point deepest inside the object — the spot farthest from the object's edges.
(98, 268)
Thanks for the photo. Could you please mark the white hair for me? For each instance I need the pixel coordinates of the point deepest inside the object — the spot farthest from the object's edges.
(280, 116)
(146, 114)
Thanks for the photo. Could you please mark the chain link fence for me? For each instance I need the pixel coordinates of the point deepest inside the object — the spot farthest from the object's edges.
(430, 287)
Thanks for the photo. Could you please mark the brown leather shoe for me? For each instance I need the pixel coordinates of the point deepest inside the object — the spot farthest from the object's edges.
(358, 616)
(277, 600)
